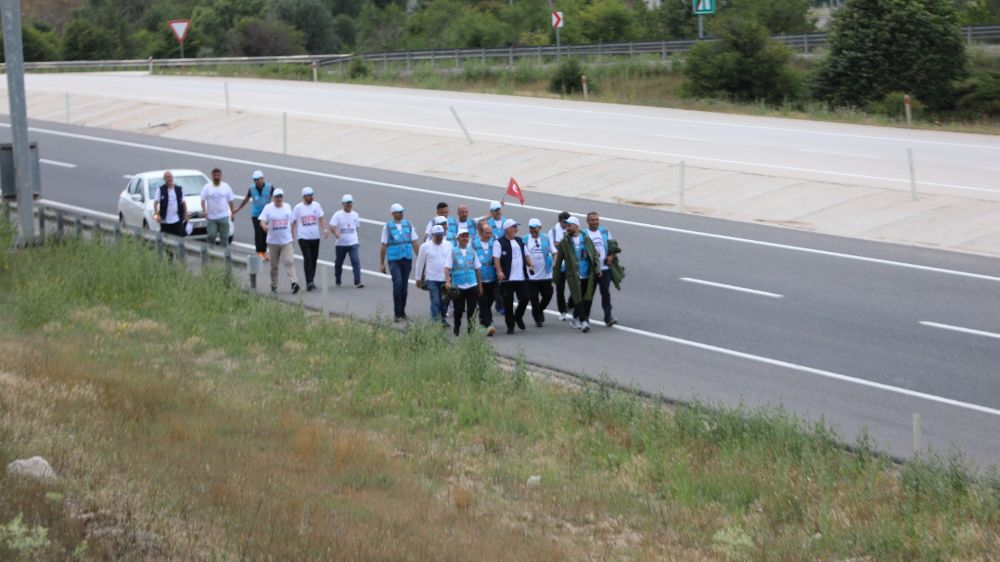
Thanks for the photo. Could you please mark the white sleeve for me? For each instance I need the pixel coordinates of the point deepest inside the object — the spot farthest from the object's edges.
(230, 195)
(264, 213)
(413, 234)
(430, 225)
(385, 234)
(296, 214)
(203, 189)
(321, 214)
(610, 237)
(449, 262)
(497, 250)
(421, 260)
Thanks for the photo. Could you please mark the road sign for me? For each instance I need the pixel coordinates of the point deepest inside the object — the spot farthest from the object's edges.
(703, 7)
(180, 28)
(557, 19)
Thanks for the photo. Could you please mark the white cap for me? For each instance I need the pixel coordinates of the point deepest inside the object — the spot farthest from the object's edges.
(462, 230)
(438, 229)
(257, 175)
(396, 208)
(573, 220)
(440, 220)
(278, 192)
(347, 199)
(308, 191)
(534, 223)
(509, 223)
(495, 206)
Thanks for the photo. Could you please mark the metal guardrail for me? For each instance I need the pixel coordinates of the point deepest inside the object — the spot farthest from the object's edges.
(803, 41)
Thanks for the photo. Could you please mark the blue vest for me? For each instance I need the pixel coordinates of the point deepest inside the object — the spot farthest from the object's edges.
(497, 226)
(583, 259)
(546, 249)
(604, 236)
(451, 234)
(463, 269)
(259, 198)
(400, 244)
(488, 273)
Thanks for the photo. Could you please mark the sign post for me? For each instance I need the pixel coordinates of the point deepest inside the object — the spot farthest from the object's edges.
(14, 58)
(557, 23)
(702, 8)
(180, 29)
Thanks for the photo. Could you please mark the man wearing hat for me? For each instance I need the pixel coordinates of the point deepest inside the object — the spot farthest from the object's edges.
(443, 217)
(431, 261)
(512, 263)
(555, 237)
(462, 273)
(483, 245)
(344, 225)
(307, 226)
(541, 250)
(582, 268)
(495, 219)
(399, 245)
(276, 220)
(258, 196)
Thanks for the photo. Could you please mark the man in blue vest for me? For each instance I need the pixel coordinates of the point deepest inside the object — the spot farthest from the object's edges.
(258, 196)
(513, 264)
(600, 237)
(399, 245)
(468, 222)
(462, 273)
(444, 218)
(483, 245)
(542, 250)
(556, 234)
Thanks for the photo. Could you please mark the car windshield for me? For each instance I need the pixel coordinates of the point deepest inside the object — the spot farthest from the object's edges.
(190, 184)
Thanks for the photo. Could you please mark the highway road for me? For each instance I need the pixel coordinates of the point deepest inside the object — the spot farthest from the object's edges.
(858, 155)
(860, 333)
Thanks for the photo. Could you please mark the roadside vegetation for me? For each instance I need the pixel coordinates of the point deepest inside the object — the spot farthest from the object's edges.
(187, 419)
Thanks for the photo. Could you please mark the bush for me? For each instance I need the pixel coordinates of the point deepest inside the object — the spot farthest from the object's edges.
(892, 106)
(36, 44)
(567, 78)
(358, 69)
(744, 64)
(979, 95)
(83, 40)
(882, 46)
(262, 38)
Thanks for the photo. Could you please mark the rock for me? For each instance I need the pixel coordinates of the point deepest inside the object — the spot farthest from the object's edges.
(534, 481)
(35, 467)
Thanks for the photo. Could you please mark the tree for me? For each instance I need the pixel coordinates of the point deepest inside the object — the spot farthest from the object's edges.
(607, 21)
(380, 29)
(744, 64)
(262, 38)
(673, 19)
(777, 16)
(36, 44)
(882, 46)
(313, 19)
(978, 12)
(83, 40)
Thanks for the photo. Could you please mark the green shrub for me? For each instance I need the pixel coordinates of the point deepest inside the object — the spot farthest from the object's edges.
(892, 106)
(979, 95)
(357, 69)
(526, 71)
(567, 78)
(477, 71)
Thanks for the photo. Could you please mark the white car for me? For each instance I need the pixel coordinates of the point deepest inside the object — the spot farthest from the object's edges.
(135, 203)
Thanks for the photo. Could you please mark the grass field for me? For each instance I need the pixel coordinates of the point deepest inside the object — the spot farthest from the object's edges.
(191, 421)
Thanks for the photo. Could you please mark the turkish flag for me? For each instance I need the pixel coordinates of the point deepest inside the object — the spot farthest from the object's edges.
(514, 190)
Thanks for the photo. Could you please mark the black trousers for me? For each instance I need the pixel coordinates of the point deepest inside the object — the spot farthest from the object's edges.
(177, 228)
(540, 294)
(604, 284)
(310, 253)
(486, 304)
(259, 236)
(561, 296)
(581, 310)
(465, 303)
(508, 289)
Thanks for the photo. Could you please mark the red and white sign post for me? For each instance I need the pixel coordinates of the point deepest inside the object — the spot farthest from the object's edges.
(908, 109)
(180, 29)
(557, 24)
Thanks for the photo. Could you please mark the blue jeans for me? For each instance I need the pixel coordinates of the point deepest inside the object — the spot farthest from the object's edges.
(400, 271)
(435, 288)
(338, 265)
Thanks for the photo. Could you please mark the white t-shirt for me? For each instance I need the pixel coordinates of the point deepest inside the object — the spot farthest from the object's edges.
(534, 247)
(432, 260)
(347, 225)
(217, 200)
(556, 234)
(464, 253)
(516, 260)
(279, 223)
(602, 252)
(385, 232)
(307, 217)
(171, 215)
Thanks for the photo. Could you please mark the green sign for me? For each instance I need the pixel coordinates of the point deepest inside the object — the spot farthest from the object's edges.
(703, 7)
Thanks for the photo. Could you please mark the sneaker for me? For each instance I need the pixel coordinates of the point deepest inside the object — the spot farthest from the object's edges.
(295, 288)
(519, 322)
(490, 331)
(397, 319)
(445, 324)
(611, 322)
(565, 316)
(577, 324)
(539, 324)
(510, 331)
(359, 286)
(501, 310)
(586, 327)
(310, 287)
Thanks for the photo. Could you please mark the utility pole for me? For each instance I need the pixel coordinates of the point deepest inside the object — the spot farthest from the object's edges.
(14, 55)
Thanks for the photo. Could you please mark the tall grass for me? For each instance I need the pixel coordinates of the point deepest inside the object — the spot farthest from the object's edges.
(232, 426)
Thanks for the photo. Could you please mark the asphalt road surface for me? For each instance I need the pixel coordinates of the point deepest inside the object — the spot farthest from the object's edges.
(853, 154)
(860, 333)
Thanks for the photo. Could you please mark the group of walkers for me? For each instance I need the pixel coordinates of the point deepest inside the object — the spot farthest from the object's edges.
(471, 265)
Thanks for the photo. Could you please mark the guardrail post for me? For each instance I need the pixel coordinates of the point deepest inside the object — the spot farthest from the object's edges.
(324, 283)
(385, 61)
(315, 69)
(150, 66)
(458, 61)
(117, 232)
(407, 60)
(41, 226)
(663, 50)
(482, 54)
(227, 258)
(182, 251)
(159, 245)
(680, 193)
(60, 232)
(68, 120)
(913, 174)
(253, 267)
(510, 56)
(918, 434)
(6, 211)
(78, 225)
(583, 80)
(539, 54)
(805, 43)
(630, 50)
(225, 86)
(433, 58)
(137, 233)
(204, 254)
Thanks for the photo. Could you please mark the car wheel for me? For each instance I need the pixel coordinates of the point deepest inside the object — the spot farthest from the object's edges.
(230, 240)
(145, 225)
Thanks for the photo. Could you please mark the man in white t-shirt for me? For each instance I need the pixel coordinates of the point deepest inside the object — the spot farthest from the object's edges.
(276, 220)
(344, 225)
(600, 237)
(542, 252)
(217, 204)
(462, 273)
(431, 261)
(513, 264)
(556, 234)
(307, 226)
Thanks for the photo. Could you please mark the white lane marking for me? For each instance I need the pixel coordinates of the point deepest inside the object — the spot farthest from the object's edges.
(696, 139)
(56, 163)
(835, 153)
(731, 287)
(675, 230)
(684, 342)
(961, 329)
(547, 124)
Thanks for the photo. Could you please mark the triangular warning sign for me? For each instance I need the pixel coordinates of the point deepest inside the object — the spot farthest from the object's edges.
(180, 28)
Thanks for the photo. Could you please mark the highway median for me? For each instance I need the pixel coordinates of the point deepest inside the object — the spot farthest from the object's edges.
(187, 419)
